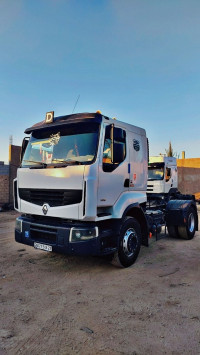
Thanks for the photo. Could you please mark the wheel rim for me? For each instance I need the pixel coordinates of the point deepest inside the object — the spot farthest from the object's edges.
(191, 223)
(129, 242)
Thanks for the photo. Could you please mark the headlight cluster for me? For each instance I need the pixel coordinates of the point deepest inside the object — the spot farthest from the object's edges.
(79, 234)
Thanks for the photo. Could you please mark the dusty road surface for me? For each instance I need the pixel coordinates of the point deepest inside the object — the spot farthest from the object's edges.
(53, 304)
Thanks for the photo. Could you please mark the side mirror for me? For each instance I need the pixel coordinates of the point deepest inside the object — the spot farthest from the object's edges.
(167, 174)
(118, 134)
(24, 145)
(115, 133)
(118, 153)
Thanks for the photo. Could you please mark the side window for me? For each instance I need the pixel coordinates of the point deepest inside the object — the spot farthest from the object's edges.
(107, 151)
(114, 154)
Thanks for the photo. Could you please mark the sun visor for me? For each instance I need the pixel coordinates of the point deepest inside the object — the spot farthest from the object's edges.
(51, 122)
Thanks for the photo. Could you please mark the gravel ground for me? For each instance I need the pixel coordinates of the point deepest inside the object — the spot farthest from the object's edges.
(53, 304)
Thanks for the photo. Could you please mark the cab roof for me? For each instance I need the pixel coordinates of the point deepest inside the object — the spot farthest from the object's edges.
(67, 119)
(88, 117)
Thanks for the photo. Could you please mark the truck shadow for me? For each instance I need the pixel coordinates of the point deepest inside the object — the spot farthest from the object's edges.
(60, 262)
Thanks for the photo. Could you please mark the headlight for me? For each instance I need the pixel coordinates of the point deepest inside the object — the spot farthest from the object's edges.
(81, 234)
(18, 225)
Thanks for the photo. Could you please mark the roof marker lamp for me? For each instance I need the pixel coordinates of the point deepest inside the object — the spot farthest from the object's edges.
(83, 234)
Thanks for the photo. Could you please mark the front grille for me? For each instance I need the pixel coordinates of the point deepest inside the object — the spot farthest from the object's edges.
(149, 187)
(52, 197)
(43, 234)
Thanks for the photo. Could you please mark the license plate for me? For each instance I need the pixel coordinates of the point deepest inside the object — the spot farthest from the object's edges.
(43, 247)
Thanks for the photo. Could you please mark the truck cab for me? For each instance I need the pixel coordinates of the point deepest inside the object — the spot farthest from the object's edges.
(162, 175)
(81, 178)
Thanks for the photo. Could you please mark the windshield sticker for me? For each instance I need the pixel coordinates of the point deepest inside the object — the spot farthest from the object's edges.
(54, 138)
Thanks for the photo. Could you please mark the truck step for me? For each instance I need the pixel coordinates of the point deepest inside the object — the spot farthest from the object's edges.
(108, 251)
(103, 214)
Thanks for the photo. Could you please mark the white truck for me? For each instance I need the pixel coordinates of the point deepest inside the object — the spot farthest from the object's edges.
(162, 175)
(81, 189)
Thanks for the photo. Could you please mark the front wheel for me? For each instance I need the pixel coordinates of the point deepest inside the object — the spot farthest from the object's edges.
(129, 243)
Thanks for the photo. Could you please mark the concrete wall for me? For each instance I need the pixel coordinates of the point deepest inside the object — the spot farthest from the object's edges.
(189, 175)
(4, 183)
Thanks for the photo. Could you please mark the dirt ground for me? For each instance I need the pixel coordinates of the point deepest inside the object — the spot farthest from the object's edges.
(53, 304)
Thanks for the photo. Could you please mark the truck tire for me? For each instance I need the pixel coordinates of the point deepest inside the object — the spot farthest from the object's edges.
(129, 243)
(173, 231)
(188, 231)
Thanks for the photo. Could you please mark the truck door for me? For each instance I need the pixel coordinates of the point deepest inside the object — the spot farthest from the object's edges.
(170, 178)
(112, 173)
(138, 162)
(175, 176)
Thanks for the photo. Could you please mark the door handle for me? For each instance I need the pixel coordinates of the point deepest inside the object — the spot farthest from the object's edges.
(126, 182)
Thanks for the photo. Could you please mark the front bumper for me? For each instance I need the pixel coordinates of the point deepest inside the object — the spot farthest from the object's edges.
(57, 234)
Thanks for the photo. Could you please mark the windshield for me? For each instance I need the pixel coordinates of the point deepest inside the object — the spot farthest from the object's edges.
(62, 146)
(155, 173)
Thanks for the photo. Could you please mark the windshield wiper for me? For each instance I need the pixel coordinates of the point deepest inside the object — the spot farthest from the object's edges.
(63, 163)
(40, 165)
(74, 162)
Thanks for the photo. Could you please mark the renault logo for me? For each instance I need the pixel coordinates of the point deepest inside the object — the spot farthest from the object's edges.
(45, 208)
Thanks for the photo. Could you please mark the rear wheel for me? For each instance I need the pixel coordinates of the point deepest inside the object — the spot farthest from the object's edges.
(129, 243)
(173, 231)
(188, 231)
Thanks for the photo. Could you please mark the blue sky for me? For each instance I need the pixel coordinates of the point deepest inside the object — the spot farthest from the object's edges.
(137, 60)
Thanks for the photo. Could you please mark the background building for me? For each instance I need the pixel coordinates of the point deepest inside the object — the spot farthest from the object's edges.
(8, 172)
(189, 175)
